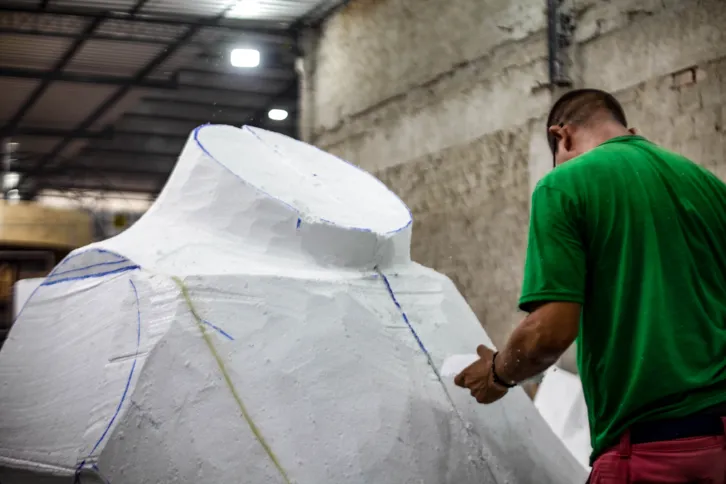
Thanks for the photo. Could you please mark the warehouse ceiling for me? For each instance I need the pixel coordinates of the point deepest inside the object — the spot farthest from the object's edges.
(101, 95)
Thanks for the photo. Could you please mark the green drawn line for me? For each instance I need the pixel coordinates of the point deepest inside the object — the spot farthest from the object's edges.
(220, 363)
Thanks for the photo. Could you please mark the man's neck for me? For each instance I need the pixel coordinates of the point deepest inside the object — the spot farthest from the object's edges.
(605, 132)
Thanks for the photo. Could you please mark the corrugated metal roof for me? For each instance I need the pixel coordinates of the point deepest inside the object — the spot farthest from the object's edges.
(35, 144)
(281, 10)
(200, 8)
(70, 151)
(113, 58)
(29, 3)
(41, 54)
(199, 84)
(126, 28)
(269, 10)
(181, 58)
(13, 93)
(118, 5)
(42, 22)
(124, 105)
(34, 147)
(65, 104)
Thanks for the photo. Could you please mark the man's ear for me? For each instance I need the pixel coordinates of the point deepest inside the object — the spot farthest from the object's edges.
(555, 130)
(564, 133)
(632, 131)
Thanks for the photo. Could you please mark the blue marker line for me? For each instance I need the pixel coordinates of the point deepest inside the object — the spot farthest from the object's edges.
(90, 276)
(126, 388)
(423, 348)
(100, 251)
(89, 267)
(220, 330)
(405, 318)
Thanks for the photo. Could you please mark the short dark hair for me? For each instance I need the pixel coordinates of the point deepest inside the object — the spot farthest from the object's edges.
(579, 107)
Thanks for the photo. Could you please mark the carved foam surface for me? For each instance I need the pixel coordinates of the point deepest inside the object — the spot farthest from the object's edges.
(262, 323)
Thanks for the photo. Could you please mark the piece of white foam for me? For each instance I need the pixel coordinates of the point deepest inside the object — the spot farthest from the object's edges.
(455, 364)
(22, 290)
(562, 404)
(312, 360)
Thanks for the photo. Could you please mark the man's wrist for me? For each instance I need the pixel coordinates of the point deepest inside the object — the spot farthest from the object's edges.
(497, 376)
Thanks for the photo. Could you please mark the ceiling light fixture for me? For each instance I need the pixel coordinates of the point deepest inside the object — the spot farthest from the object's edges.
(277, 114)
(245, 58)
(244, 9)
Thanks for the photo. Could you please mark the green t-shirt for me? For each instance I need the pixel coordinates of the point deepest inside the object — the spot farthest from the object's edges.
(637, 235)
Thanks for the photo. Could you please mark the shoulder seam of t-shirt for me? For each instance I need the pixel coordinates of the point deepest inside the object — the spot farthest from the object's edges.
(544, 184)
(550, 295)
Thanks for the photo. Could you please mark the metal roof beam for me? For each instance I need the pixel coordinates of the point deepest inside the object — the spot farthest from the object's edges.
(129, 152)
(159, 124)
(276, 73)
(230, 82)
(87, 78)
(8, 131)
(118, 133)
(140, 4)
(98, 187)
(133, 185)
(155, 125)
(141, 144)
(222, 99)
(201, 113)
(218, 22)
(128, 121)
(103, 170)
(95, 36)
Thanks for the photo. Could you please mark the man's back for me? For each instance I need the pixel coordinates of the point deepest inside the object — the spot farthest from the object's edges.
(653, 330)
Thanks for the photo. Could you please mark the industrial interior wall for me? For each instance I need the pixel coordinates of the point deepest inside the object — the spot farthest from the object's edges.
(444, 100)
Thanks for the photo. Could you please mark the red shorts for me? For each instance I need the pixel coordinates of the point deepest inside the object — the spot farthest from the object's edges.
(696, 460)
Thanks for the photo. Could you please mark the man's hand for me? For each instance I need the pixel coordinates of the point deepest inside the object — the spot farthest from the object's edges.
(478, 378)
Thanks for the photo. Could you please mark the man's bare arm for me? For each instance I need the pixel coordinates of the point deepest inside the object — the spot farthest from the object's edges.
(539, 341)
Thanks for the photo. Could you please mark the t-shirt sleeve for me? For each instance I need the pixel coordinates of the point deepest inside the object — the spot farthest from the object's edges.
(555, 266)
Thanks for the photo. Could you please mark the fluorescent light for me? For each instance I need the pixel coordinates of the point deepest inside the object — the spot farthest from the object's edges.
(10, 180)
(245, 58)
(244, 9)
(277, 114)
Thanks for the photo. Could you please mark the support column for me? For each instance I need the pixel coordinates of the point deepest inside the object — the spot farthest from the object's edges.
(305, 65)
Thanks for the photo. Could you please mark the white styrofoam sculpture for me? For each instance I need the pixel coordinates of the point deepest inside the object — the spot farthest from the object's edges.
(262, 323)
(562, 404)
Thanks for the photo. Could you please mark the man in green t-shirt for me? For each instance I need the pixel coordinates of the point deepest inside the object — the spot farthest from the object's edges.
(626, 255)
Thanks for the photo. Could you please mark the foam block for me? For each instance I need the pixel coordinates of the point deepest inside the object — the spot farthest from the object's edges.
(562, 404)
(262, 323)
(22, 290)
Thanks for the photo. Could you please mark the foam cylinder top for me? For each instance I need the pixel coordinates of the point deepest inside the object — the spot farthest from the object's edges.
(310, 182)
(265, 195)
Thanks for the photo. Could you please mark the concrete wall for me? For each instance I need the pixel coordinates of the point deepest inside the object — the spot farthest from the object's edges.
(444, 101)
